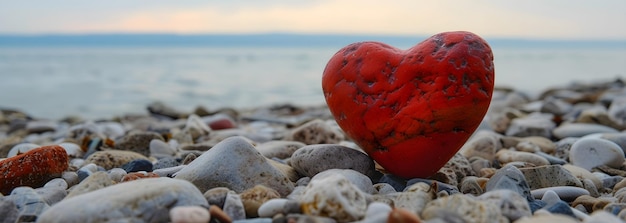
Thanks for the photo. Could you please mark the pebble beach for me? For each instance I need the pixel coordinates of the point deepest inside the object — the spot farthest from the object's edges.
(556, 156)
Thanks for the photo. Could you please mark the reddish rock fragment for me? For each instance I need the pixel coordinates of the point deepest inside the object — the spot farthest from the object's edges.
(33, 168)
(411, 110)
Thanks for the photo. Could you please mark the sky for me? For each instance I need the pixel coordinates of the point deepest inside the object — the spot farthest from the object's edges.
(536, 19)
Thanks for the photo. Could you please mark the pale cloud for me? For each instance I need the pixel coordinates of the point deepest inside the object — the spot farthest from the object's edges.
(533, 19)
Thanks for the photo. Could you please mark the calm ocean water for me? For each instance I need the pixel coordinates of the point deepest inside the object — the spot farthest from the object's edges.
(100, 82)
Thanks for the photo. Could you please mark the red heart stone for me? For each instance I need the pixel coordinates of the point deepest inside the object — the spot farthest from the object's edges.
(411, 110)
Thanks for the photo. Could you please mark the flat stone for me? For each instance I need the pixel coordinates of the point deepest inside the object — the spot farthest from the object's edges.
(123, 202)
(566, 193)
(549, 176)
(33, 168)
(592, 152)
(312, 159)
(580, 130)
(234, 163)
(505, 156)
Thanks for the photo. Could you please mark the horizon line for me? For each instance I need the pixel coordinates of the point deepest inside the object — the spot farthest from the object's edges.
(285, 33)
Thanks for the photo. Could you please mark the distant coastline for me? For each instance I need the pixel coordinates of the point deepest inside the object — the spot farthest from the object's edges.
(269, 39)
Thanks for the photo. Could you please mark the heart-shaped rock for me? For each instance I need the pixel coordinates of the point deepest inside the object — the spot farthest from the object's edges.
(411, 110)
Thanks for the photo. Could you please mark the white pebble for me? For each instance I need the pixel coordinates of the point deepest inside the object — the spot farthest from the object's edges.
(272, 207)
(116, 174)
(591, 152)
(21, 148)
(57, 182)
(72, 149)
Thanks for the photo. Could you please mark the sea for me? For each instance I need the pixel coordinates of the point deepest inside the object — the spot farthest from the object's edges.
(102, 76)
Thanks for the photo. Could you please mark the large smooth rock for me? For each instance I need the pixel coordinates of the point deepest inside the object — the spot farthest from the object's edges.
(145, 200)
(234, 163)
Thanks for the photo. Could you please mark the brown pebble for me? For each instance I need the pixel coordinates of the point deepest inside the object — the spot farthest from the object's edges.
(401, 215)
(254, 197)
(138, 175)
(217, 213)
(586, 201)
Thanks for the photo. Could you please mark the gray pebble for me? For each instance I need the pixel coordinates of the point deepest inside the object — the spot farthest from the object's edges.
(566, 193)
(312, 159)
(510, 178)
(580, 130)
(234, 163)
